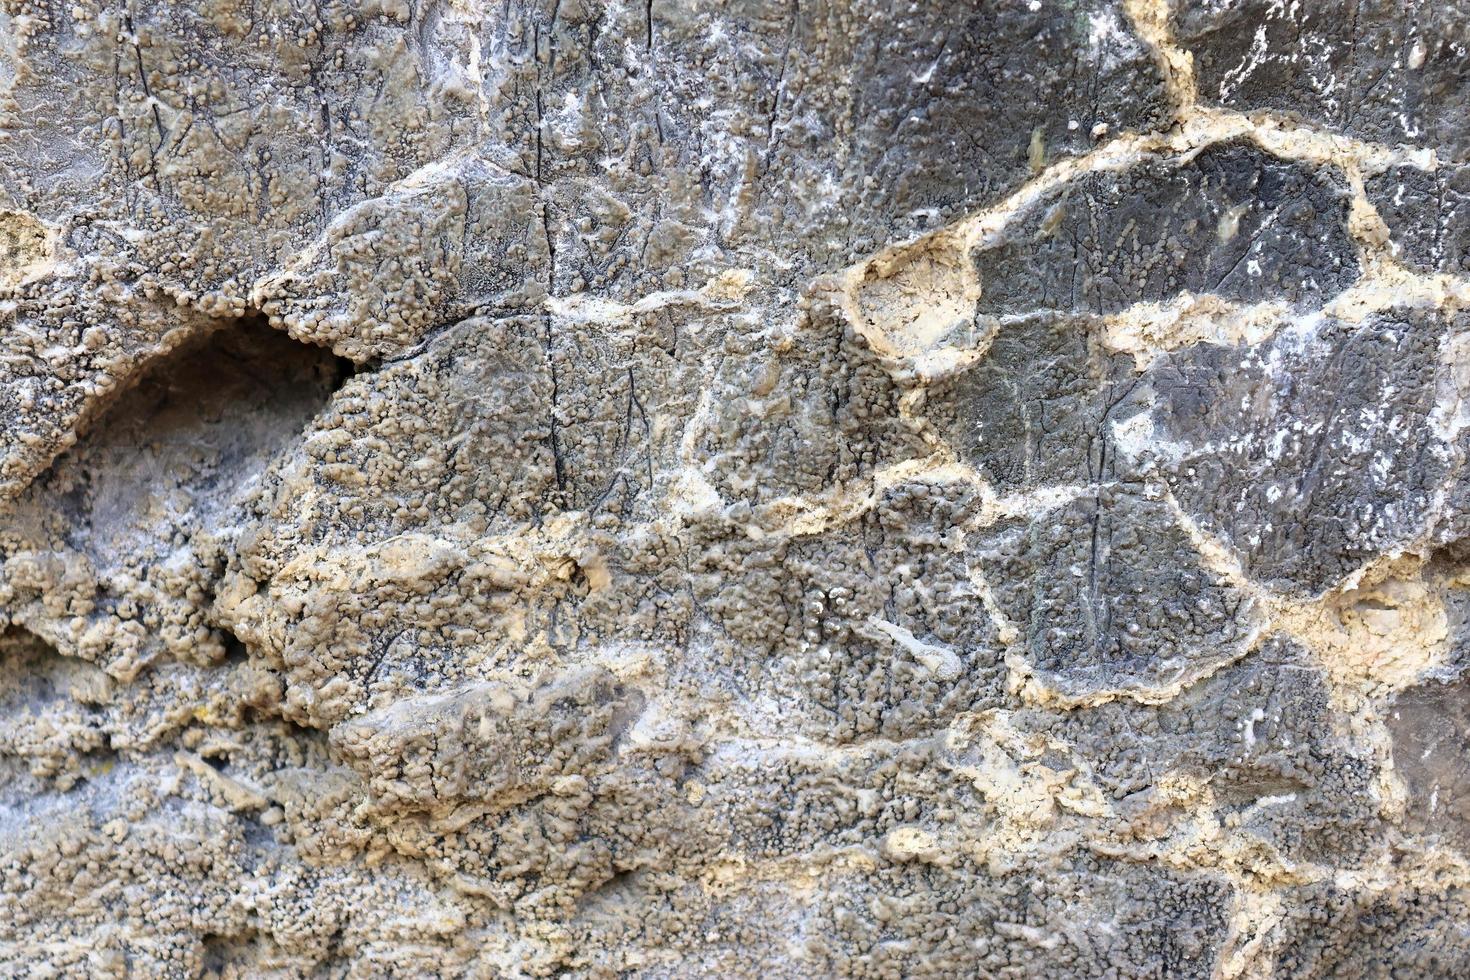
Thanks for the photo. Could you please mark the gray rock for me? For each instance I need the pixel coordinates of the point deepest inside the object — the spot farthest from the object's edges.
(1430, 725)
(556, 488)
(1428, 215)
(1330, 932)
(1108, 594)
(1230, 220)
(1379, 70)
(1036, 409)
(1311, 452)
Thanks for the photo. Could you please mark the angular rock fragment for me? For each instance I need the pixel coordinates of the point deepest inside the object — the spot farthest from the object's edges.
(1311, 453)
(1036, 409)
(1108, 595)
(954, 104)
(1428, 215)
(430, 252)
(1259, 734)
(1230, 220)
(1383, 70)
(1430, 724)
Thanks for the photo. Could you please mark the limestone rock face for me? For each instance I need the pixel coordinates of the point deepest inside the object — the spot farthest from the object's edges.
(736, 489)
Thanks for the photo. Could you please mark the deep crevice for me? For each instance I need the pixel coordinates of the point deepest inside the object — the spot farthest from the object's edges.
(164, 467)
(202, 421)
(236, 652)
(35, 672)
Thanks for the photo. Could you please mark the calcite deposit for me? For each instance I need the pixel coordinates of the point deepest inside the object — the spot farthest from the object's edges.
(735, 488)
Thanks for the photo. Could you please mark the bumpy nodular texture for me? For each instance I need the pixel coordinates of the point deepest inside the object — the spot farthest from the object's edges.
(735, 488)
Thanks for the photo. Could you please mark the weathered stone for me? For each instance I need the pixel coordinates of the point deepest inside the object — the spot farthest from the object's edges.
(711, 488)
(1108, 595)
(1036, 409)
(1258, 733)
(1312, 452)
(1431, 727)
(1099, 914)
(1428, 215)
(1230, 220)
(1381, 70)
(1329, 932)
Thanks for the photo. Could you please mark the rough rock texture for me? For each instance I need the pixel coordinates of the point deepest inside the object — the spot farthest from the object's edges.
(839, 488)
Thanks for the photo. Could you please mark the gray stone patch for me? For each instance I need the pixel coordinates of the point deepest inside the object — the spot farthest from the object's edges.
(874, 630)
(1310, 453)
(1108, 593)
(1398, 932)
(1260, 732)
(1230, 220)
(1035, 409)
(1430, 724)
(1428, 215)
(1392, 71)
(957, 103)
(1102, 918)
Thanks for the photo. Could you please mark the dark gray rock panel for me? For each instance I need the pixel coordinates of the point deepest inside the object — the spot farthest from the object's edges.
(1309, 453)
(1428, 215)
(1230, 220)
(1391, 71)
(1036, 409)
(1108, 594)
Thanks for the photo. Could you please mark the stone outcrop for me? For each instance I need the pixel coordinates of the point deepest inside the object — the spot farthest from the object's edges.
(836, 488)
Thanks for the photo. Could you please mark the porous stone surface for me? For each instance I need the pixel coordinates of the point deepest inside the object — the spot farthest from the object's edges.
(735, 489)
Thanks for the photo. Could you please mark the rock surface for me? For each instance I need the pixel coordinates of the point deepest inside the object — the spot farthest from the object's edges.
(735, 489)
